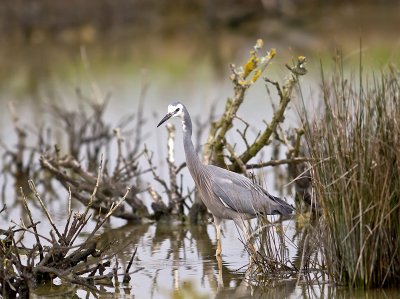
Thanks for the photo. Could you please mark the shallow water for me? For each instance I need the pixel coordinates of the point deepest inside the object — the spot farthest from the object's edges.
(176, 260)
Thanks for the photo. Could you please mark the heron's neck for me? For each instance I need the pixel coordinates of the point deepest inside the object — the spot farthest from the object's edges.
(192, 159)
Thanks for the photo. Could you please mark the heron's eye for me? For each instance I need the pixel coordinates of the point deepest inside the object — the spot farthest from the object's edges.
(176, 110)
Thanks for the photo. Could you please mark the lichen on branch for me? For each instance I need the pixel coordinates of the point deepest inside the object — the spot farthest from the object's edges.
(252, 69)
(243, 78)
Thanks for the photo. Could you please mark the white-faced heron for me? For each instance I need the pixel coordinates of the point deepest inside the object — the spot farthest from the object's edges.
(226, 194)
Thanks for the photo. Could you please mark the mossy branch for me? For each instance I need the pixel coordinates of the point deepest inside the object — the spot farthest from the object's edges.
(243, 78)
(285, 95)
(255, 66)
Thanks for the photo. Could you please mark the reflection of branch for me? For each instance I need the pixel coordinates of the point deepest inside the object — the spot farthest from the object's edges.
(127, 277)
(19, 161)
(19, 130)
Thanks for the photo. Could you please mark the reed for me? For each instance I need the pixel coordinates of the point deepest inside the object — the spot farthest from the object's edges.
(355, 144)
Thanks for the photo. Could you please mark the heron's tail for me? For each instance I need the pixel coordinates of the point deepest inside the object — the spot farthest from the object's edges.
(283, 207)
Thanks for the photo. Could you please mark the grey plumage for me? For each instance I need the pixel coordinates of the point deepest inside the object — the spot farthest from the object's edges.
(226, 194)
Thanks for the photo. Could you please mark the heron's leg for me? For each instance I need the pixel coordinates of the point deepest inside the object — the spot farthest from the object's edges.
(220, 277)
(217, 222)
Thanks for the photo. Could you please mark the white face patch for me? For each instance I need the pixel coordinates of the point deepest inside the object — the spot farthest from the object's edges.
(176, 110)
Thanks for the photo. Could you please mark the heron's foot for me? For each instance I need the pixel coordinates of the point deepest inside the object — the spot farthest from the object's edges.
(219, 248)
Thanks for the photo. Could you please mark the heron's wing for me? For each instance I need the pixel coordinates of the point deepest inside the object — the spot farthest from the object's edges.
(240, 194)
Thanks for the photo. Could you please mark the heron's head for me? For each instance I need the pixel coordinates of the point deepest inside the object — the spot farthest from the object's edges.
(174, 109)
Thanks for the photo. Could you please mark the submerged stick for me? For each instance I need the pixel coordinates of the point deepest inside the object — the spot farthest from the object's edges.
(127, 277)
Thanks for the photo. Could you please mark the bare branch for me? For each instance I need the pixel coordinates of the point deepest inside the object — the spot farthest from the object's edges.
(277, 162)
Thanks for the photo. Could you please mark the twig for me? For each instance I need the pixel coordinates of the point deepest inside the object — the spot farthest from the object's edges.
(69, 213)
(278, 162)
(99, 173)
(26, 229)
(93, 269)
(110, 212)
(35, 192)
(243, 134)
(236, 158)
(3, 208)
(40, 247)
(152, 169)
(83, 181)
(120, 140)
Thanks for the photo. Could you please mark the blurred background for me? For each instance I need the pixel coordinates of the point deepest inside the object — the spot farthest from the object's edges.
(179, 42)
(179, 49)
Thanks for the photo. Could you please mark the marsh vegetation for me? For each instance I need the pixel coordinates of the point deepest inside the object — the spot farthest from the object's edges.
(355, 170)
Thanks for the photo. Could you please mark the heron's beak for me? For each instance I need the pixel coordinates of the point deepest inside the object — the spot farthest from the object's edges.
(167, 117)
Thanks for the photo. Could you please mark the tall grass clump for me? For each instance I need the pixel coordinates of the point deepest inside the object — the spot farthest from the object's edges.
(354, 144)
